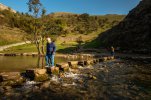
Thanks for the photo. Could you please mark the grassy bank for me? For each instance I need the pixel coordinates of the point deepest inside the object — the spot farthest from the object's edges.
(32, 48)
(65, 44)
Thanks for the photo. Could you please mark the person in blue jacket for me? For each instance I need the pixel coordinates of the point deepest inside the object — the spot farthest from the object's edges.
(50, 53)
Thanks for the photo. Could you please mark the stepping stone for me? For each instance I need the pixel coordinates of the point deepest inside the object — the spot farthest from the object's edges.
(37, 74)
(88, 62)
(95, 61)
(63, 67)
(103, 59)
(1, 78)
(53, 70)
(81, 63)
(73, 63)
(9, 54)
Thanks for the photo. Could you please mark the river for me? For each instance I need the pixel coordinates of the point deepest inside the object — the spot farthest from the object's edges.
(112, 80)
(21, 63)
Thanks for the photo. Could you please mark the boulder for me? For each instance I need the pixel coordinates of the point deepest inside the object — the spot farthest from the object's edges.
(63, 66)
(11, 78)
(1, 78)
(17, 54)
(108, 58)
(95, 61)
(36, 71)
(45, 85)
(103, 59)
(37, 74)
(81, 63)
(41, 78)
(112, 57)
(29, 54)
(23, 54)
(54, 70)
(2, 90)
(88, 62)
(61, 75)
(34, 54)
(73, 63)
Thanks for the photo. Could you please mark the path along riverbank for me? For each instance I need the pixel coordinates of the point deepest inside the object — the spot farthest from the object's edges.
(15, 44)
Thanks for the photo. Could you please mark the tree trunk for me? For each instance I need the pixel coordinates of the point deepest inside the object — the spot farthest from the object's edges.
(43, 52)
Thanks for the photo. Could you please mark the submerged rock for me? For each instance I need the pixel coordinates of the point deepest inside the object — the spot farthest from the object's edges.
(11, 79)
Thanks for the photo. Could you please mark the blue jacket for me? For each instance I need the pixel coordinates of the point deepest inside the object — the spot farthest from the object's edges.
(51, 48)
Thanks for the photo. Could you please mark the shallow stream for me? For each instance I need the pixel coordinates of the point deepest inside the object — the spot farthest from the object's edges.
(111, 80)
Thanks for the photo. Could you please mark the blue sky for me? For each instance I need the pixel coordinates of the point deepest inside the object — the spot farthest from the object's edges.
(95, 7)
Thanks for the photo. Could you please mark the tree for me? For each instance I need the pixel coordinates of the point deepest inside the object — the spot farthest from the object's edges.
(79, 41)
(35, 7)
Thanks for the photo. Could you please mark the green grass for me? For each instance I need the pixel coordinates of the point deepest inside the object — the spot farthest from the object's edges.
(27, 48)
(67, 47)
(21, 49)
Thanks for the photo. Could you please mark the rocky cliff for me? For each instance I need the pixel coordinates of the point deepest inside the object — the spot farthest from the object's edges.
(134, 32)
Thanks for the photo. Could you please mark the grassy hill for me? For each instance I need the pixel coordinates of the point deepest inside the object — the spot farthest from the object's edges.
(134, 32)
(62, 23)
(11, 35)
(64, 27)
(12, 27)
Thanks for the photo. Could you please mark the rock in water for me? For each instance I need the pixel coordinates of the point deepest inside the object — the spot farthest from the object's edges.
(73, 63)
(63, 67)
(1, 78)
(11, 78)
(37, 74)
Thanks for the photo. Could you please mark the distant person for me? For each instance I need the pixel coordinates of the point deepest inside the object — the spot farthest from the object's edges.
(50, 53)
(112, 51)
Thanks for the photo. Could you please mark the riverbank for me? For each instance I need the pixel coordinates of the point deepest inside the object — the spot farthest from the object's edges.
(87, 55)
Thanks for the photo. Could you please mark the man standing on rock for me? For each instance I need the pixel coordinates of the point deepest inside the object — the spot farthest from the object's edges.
(50, 53)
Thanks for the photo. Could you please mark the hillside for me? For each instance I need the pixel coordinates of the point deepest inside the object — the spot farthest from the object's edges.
(63, 26)
(9, 32)
(11, 35)
(3, 7)
(134, 32)
(62, 23)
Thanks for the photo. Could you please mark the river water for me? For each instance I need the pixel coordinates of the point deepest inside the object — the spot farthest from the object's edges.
(21, 63)
(112, 80)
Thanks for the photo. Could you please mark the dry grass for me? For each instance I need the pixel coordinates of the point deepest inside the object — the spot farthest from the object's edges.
(11, 35)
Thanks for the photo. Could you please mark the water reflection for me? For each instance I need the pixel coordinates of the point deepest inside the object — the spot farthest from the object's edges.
(21, 63)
